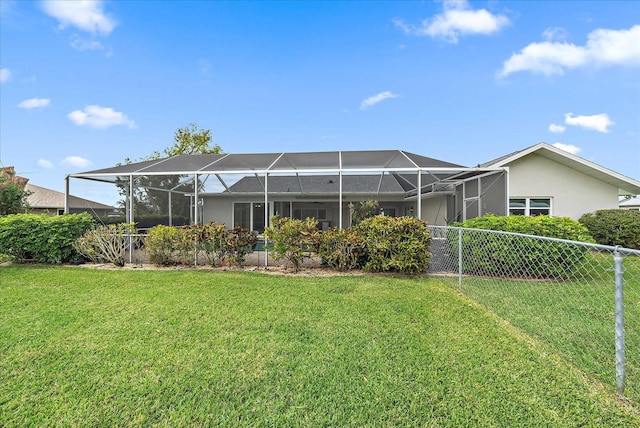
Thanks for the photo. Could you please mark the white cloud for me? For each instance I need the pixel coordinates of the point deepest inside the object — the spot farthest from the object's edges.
(604, 48)
(95, 116)
(574, 150)
(34, 103)
(596, 122)
(457, 19)
(5, 75)
(43, 163)
(373, 100)
(86, 15)
(86, 45)
(76, 161)
(556, 33)
(557, 129)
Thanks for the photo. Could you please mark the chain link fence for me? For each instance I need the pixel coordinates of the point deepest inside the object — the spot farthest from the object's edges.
(581, 300)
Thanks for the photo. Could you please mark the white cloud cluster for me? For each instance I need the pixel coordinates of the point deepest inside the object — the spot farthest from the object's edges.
(574, 150)
(604, 48)
(457, 19)
(76, 161)
(557, 129)
(95, 116)
(596, 122)
(85, 15)
(375, 99)
(5, 75)
(43, 163)
(34, 103)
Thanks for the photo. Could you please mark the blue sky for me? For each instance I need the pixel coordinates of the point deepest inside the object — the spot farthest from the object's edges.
(86, 84)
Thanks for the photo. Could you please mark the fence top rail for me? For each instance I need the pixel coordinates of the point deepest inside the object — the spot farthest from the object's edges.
(610, 248)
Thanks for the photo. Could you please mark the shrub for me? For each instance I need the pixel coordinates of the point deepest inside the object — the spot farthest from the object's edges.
(239, 242)
(614, 227)
(399, 244)
(512, 255)
(211, 238)
(342, 249)
(160, 243)
(106, 243)
(293, 239)
(42, 238)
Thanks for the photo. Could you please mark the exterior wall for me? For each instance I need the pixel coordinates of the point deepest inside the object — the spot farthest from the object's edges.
(218, 209)
(572, 193)
(434, 210)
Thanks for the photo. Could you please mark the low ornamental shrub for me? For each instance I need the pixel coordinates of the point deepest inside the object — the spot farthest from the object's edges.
(107, 243)
(293, 239)
(341, 249)
(42, 238)
(614, 227)
(395, 244)
(211, 238)
(516, 256)
(239, 242)
(161, 243)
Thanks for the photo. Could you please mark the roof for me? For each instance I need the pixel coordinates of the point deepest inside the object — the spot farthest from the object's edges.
(303, 162)
(228, 169)
(625, 185)
(320, 184)
(43, 198)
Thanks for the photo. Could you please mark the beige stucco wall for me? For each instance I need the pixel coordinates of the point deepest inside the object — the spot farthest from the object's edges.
(218, 209)
(572, 192)
(434, 210)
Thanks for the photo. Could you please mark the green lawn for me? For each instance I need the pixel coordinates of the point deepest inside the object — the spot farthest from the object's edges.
(574, 317)
(81, 347)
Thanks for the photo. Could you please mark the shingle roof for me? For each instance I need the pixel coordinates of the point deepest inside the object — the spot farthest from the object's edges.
(43, 198)
(321, 184)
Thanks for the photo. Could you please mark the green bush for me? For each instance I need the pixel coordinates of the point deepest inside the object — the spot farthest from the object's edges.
(342, 249)
(293, 239)
(161, 243)
(395, 244)
(614, 227)
(239, 242)
(42, 238)
(512, 255)
(211, 238)
(107, 243)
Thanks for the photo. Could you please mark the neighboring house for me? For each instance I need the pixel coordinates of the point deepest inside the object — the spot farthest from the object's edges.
(630, 203)
(245, 189)
(546, 180)
(50, 202)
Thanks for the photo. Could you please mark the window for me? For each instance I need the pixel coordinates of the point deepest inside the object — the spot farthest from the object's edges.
(530, 206)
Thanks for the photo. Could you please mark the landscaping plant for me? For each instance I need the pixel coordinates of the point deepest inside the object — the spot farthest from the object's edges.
(395, 244)
(614, 227)
(511, 256)
(107, 243)
(293, 239)
(42, 238)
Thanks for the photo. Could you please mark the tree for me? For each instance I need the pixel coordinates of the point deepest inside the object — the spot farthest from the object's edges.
(188, 140)
(13, 196)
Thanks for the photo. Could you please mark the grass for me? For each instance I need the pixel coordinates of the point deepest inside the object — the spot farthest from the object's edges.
(575, 317)
(190, 348)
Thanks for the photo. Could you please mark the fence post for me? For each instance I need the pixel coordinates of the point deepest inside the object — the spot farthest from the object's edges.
(460, 258)
(619, 298)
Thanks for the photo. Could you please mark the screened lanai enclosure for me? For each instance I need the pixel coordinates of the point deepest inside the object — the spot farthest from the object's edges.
(247, 189)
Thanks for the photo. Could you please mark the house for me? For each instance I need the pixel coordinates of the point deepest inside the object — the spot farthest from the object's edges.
(50, 202)
(630, 203)
(246, 189)
(546, 180)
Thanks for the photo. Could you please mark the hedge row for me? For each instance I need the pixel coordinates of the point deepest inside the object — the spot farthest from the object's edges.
(376, 244)
(515, 256)
(42, 238)
(614, 227)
